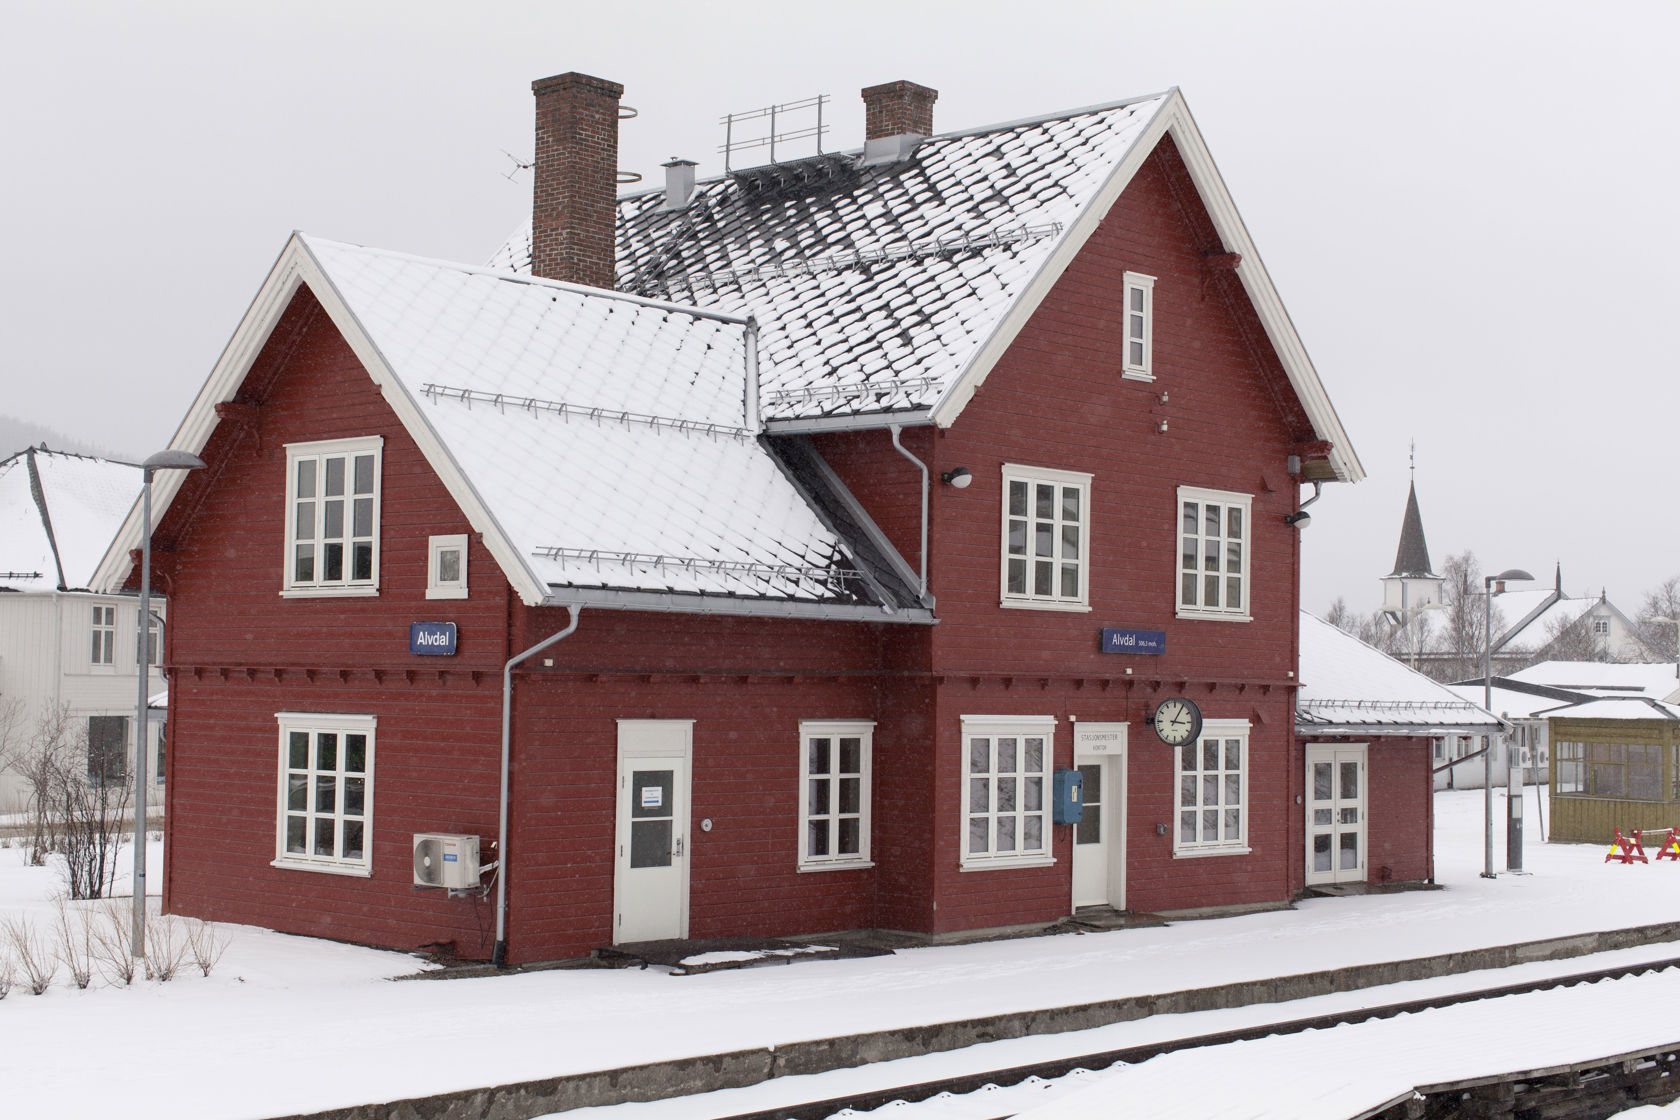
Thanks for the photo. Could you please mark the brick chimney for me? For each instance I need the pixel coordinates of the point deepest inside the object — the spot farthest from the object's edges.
(898, 109)
(575, 188)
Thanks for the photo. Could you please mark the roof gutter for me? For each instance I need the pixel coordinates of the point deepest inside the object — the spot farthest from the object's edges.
(498, 955)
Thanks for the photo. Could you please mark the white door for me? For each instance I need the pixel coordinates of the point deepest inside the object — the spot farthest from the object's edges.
(1336, 813)
(650, 874)
(1099, 854)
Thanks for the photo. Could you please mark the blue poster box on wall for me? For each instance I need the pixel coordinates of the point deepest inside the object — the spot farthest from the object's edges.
(1067, 804)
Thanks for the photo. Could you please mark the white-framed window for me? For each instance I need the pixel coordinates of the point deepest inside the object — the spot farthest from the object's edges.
(326, 793)
(332, 517)
(834, 794)
(104, 649)
(1213, 791)
(446, 567)
(1006, 790)
(1213, 550)
(1046, 538)
(1140, 327)
(1601, 627)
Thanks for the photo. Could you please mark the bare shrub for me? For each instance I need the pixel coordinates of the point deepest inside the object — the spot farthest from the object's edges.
(7, 975)
(111, 944)
(166, 950)
(75, 944)
(77, 794)
(207, 944)
(33, 953)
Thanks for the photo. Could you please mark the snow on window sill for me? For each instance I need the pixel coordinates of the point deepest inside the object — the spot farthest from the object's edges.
(1044, 605)
(446, 593)
(838, 865)
(1212, 850)
(1215, 616)
(362, 592)
(358, 870)
(984, 864)
(1137, 375)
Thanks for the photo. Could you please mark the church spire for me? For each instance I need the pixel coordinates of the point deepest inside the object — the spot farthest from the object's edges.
(1412, 557)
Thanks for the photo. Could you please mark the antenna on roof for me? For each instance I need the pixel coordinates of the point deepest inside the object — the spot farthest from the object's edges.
(518, 165)
(777, 130)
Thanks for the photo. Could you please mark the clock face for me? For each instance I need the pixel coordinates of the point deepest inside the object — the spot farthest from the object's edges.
(1177, 721)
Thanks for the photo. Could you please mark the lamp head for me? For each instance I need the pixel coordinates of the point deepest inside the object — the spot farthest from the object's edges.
(959, 478)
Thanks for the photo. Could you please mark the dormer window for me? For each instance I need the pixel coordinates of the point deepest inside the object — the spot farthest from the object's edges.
(1140, 327)
(332, 517)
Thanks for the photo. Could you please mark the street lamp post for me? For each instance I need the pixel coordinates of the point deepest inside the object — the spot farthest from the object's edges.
(1488, 585)
(162, 461)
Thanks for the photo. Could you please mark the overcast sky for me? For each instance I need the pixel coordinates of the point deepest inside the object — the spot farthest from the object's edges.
(1468, 208)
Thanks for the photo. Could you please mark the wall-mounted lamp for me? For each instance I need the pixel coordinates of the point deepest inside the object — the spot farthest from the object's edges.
(1300, 519)
(959, 478)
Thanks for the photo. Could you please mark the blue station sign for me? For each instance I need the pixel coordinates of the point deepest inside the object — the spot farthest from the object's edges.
(1134, 641)
(433, 639)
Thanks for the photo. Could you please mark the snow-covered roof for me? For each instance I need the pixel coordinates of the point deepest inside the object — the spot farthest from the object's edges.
(81, 497)
(888, 290)
(1654, 679)
(1618, 708)
(1348, 687)
(1539, 627)
(1509, 702)
(600, 442)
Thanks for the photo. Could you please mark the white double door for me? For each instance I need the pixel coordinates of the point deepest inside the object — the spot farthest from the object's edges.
(1099, 845)
(1336, 809)
(650, 869)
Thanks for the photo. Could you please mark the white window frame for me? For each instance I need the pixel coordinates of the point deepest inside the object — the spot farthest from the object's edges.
(322, 451)
(436, 586)
(1227, 500)
(310, 724)
(1031, 478)
(102, 637)
(1219, 732)
(829, 780)
(1138, 327)
(991, 729)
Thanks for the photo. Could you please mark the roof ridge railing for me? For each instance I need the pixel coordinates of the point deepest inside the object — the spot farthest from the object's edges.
(663, 562)
(850, 390)
(944, 245)
(536, 406)
(21, 575)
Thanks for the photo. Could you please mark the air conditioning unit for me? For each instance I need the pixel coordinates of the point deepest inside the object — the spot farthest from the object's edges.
(443, 860)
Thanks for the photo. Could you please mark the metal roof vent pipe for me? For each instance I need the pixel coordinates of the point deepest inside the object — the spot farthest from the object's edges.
(897, 116)
(679, 183)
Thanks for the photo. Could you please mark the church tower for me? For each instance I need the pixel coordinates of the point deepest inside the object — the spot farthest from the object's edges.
(1412, 584)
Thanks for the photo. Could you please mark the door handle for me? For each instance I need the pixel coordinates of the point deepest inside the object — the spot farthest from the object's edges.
(676, 848)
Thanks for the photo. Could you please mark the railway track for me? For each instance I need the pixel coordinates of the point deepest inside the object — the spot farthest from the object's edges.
(1587, 1090)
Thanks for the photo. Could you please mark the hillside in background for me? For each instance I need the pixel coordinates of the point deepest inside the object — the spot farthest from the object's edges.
(17, 434)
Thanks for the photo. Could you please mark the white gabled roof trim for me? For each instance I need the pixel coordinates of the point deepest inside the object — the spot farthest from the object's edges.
(1172, 118)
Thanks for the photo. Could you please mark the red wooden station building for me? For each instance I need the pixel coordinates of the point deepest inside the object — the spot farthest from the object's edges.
(791, 551)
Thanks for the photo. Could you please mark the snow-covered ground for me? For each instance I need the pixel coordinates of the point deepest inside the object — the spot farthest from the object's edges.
(288, 1024)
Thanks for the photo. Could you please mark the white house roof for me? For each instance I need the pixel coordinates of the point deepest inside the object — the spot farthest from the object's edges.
(600, 442)
(1348, 687)
(1509, 702)
(1618, 708)
(81, 497)
(1655, 680)
(888, 291)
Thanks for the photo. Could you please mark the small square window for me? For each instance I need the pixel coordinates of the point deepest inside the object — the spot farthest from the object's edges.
(446, 568)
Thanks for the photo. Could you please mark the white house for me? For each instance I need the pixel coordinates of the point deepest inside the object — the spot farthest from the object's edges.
(62, 647)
